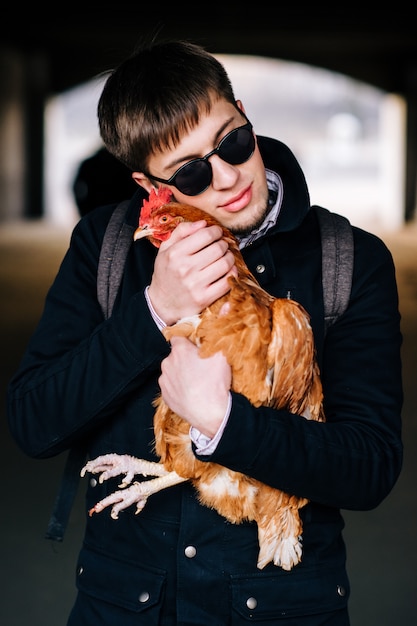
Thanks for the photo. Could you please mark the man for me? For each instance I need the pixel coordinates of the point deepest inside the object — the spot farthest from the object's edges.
(170, 115)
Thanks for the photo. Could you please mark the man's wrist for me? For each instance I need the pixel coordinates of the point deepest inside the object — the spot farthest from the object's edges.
(158, 321)
(207, 445)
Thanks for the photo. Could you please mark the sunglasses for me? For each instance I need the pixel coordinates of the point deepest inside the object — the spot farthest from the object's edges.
(194, 177)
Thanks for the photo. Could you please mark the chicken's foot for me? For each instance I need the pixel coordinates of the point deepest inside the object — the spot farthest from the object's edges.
(112, 465)
(137, 493)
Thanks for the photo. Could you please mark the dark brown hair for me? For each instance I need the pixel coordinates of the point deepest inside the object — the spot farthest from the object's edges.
(157, 95)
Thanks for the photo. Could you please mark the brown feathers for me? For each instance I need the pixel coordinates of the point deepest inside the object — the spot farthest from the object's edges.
(269, 345)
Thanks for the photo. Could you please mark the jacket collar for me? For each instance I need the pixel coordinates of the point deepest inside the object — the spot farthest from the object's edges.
(296, 199)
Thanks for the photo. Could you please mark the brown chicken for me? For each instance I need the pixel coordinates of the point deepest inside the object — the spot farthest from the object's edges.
(269, 345)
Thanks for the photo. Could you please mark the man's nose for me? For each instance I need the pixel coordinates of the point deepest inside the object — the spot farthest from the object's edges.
(225, 175)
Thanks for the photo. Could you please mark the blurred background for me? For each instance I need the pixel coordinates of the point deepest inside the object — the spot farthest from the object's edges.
(340, 90)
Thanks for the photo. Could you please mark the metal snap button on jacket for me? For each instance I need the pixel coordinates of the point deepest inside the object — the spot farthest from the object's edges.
(144, 597)
(251, 603)
(190, 552)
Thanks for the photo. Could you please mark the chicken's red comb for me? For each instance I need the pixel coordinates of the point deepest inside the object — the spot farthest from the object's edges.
(157, 198)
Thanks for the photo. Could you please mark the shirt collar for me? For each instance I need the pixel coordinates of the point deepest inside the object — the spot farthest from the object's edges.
(276, 192)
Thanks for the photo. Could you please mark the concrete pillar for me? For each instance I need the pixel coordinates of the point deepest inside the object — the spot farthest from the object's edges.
(23, 88)
(12, 162)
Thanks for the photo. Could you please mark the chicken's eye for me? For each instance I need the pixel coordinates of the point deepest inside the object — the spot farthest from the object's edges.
(163, 218)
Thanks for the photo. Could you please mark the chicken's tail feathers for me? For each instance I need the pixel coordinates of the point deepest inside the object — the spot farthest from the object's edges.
(279, 529)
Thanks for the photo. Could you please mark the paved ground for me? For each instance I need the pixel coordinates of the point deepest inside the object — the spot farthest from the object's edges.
(37, 576)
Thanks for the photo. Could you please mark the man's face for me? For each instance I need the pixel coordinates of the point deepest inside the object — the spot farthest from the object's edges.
(237, 195)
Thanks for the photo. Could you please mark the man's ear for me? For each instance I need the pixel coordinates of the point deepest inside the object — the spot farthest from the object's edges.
(143, 181)
(240, 106)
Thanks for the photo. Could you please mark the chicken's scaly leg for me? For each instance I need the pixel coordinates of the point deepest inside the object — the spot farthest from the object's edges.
(111, 465)
(137, 493)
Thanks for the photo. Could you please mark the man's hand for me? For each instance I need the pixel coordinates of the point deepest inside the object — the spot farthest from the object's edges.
(196, 389)
(191, 271)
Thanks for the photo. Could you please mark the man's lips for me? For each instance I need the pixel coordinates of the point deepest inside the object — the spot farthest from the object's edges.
(239, 202)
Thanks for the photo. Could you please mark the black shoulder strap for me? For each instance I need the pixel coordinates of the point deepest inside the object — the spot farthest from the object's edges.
(115, 246)
(337, 263)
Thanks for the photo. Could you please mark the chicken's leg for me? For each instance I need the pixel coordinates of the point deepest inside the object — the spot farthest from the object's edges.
(112, 465)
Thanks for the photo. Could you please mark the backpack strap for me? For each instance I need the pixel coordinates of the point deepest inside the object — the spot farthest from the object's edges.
(115, 246)
(116, 243)
(337, 263)
(67, 491)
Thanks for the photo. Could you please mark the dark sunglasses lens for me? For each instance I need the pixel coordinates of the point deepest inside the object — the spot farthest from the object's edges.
(194, 177)
(238, 146)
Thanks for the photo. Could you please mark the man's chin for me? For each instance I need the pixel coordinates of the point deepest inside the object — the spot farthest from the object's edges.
(245, 227)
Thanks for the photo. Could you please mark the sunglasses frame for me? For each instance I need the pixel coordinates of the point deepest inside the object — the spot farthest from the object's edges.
(171, 181)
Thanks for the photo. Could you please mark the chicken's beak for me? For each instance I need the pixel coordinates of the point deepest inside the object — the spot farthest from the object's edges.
(142, 231)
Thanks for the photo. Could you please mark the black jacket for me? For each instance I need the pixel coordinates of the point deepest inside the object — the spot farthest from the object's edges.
(86, 378)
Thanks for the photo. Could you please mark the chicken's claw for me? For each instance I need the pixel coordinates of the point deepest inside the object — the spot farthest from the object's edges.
(137, 493)
(122, 500)
(112, 465)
